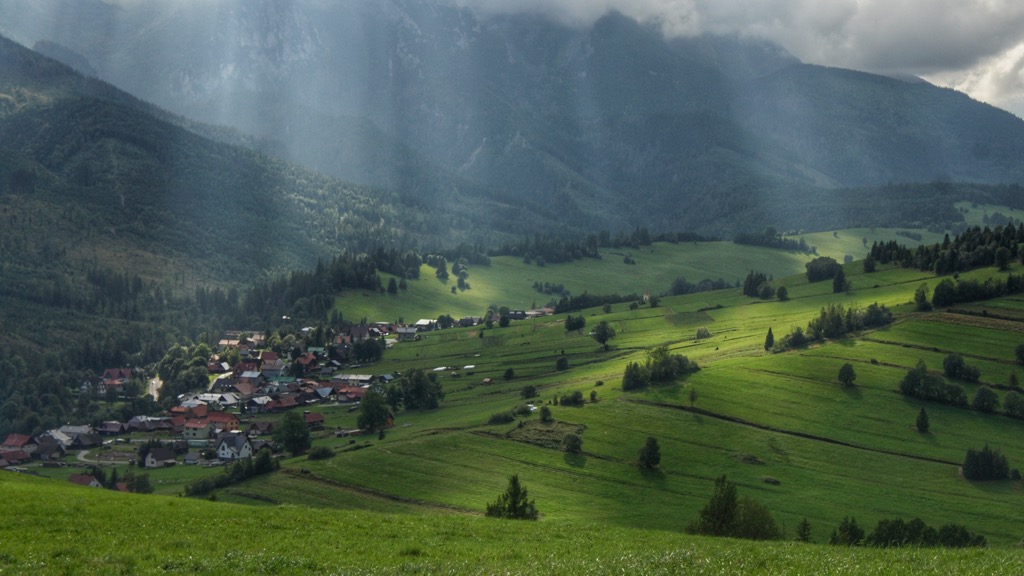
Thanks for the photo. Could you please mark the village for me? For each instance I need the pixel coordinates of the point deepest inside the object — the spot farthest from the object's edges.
(236, 415)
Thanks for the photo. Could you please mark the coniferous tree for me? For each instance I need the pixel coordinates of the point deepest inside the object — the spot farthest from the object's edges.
(803, 531)
(650, 454)
(839, 283)
(847, 534)
(769, 340)
(514, 503)
(922, 421)
(718, 517)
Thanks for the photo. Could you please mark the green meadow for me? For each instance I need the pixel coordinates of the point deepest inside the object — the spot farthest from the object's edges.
(55, 529)
(779, 425)
(508, 281)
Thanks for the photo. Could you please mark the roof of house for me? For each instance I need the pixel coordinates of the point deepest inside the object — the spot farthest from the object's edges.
(197, 423)
(313, 417)
(161, 453)
(82, 479)
(221, 417)
(14, 456)
(18, 440)
(234, 442)
(117, 374)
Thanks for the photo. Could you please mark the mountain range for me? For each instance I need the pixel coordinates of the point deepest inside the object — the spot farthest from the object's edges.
(514, 123)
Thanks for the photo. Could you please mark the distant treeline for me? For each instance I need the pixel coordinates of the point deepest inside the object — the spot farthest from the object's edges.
(541, 249)
(974, 248)
(770, 238)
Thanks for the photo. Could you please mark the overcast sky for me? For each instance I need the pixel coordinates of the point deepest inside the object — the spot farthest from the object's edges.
(975, 46)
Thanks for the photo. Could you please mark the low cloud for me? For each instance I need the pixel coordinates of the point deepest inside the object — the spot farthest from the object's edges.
(976, 43)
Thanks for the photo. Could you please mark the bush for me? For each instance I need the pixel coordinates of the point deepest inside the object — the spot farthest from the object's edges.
(562, 363)
(528, 391)
(320, 453)
(985, 400)
(572, 443)
(575, 398)
(501, 418)
(545, 414)
(703, 333)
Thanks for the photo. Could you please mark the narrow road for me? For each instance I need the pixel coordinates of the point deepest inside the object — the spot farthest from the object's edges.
(154, 388)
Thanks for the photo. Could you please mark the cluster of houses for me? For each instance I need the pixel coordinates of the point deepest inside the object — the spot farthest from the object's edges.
(260, 383)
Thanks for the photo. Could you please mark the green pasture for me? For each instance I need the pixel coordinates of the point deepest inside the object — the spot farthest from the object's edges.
(857, 242)
(974, 214)
(71, 533)
(779, 425)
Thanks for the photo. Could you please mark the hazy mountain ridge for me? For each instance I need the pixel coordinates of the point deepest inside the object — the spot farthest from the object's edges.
(607, 127)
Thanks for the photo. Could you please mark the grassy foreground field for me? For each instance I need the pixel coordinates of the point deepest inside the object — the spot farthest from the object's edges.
(51, 529)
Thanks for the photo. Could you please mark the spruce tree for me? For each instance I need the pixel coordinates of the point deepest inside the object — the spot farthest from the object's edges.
(803, 531)
(769, 340)
(922, 421)
(514, 503)
(718, 518)
(650, 454)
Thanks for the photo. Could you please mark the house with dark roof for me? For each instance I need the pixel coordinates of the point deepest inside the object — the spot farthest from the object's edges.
(160, 457)
(48, 449)
(112, 428)
(85, 441)
(262, 428)
(233, 446)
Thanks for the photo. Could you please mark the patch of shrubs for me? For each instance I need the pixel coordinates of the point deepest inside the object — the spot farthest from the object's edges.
(320, 453)
(575, 398)
(502, 417)
(835, 321)
(659, 367)
(919, 383)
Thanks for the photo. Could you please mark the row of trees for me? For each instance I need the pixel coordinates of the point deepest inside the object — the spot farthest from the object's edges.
(973, 248)
(897, 533)
(772, 239)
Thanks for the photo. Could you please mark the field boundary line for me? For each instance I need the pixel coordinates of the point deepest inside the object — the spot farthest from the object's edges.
(804, 435)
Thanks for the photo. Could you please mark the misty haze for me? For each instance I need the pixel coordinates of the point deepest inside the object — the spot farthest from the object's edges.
(479, 286)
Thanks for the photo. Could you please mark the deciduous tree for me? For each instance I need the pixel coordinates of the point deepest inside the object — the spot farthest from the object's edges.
(847, 375)
(293, 433)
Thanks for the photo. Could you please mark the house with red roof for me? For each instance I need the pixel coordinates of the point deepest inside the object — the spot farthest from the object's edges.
(85, 480)
(314, 420)
(223, 420)
(22, 442)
